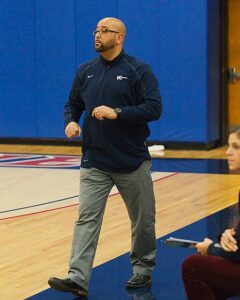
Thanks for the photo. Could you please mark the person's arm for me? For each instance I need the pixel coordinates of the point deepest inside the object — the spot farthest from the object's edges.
(74, 106)
(217, 250)
(148, 97)
(228, 246)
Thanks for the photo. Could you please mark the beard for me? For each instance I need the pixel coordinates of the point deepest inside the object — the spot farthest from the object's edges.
(104, 47)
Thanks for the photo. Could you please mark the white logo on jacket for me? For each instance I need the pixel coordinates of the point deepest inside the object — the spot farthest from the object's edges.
(120, 77)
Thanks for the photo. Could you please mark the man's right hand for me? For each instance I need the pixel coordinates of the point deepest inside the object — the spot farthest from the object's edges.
(72, 129)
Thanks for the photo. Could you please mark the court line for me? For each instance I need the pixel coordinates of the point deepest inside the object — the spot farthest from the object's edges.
(63, 199)
(36, 205)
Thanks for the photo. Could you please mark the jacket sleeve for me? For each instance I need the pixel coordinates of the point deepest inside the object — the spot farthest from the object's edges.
(217, 250)
(149, 100)
(74, 106)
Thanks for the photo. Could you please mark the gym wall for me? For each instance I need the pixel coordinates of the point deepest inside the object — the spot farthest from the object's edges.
(43, 41)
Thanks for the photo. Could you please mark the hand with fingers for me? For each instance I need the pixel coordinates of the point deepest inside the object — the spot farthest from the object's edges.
(203, 246)
(72, 130)
(228, 241)
(104, 112)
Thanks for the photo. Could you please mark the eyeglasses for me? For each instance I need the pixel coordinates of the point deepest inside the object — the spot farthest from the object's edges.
(103, 31)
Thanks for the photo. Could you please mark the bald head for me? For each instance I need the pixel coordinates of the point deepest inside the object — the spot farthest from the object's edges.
(109, 37)
(114, 24)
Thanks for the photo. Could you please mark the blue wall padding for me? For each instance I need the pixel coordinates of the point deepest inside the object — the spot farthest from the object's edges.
(214, 70)
(183, 61)
(17, 69)
(55, 63)
(44, 41)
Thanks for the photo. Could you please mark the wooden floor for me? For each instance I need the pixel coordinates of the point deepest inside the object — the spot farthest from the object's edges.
(74, 150)
(35, 247)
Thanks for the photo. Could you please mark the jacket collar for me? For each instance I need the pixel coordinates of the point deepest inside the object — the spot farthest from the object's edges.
(112, 62)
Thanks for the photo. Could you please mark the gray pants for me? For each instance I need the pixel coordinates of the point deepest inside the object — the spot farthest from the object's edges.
(136, 189)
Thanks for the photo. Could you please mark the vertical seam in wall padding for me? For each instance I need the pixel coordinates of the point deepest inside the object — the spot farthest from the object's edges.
(158, 38)
(35, 69)
(117, 15)
(75, 33)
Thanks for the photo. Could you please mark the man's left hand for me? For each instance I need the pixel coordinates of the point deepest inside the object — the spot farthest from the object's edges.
(104, 112)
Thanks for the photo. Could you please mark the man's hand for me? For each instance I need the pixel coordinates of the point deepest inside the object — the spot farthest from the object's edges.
(104, 112)
(228, 242)
(72, 130)
(203, 246)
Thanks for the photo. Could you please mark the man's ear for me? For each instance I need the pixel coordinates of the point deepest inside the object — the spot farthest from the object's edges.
(120, 38)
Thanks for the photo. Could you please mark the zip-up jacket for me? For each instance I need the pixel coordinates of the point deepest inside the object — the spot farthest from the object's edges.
(126, 83)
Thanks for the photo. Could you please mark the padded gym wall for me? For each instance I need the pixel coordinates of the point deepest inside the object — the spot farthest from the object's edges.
(42, 42)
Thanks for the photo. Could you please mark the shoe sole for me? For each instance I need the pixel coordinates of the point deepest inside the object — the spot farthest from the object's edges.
(63, 288)
(132, 286)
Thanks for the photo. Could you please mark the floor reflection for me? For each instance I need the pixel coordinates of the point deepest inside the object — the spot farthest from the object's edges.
(144, 293)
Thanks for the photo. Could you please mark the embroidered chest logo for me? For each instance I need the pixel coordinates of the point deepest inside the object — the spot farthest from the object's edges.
(120, 77)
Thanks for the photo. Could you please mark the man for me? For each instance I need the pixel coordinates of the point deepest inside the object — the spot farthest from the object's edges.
(119, 95)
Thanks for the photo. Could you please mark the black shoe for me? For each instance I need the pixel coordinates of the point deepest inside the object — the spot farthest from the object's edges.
(139, 280)
(67, 285)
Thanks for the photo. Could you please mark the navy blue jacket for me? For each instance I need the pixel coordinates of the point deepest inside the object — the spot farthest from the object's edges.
(126, 83)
